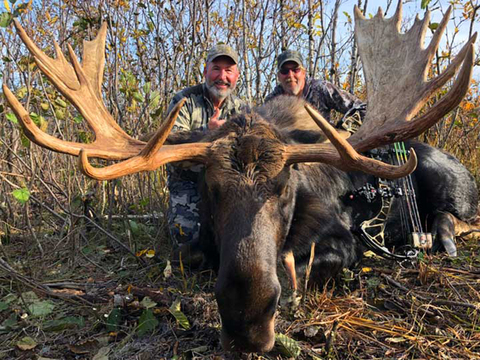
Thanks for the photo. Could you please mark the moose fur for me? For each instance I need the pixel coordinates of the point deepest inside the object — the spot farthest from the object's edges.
(255, 209)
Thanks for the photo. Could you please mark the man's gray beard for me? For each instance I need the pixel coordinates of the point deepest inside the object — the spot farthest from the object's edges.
(219, 94)
(295, 91)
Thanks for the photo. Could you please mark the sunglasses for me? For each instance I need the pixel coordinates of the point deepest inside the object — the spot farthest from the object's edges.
(285, 71)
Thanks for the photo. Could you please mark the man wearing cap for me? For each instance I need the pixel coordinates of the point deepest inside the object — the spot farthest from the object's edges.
(207, 107)
(325, 96)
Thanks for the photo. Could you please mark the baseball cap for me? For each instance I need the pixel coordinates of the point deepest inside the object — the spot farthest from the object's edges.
(222, 50)
(289, 55)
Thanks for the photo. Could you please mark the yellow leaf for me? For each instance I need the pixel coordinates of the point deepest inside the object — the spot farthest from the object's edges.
(366, 269)
(7, 5)
(140, 253)
(150, 253)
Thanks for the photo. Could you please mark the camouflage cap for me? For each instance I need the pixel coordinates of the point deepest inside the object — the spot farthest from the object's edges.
(222, 50)
(289, 55)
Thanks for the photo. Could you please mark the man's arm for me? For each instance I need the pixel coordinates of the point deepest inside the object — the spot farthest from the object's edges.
(276, 91)
(342, 101)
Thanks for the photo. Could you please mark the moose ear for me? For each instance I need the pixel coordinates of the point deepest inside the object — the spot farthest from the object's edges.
(282, 180)
(185, 137)
(306, 136)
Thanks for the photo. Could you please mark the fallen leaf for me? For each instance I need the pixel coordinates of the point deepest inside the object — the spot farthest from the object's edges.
(41, 308)
(167, 272)
(287, 346)
(68, 292)
(395, 340)
(102, 354)
(150, 254)
(26, 343)
(84, 347)
(177, 313)
(69, 322)
(147, 323)
(148, 303)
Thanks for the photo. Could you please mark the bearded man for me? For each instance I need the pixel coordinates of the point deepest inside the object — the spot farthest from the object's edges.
(207, 107)
(292, 80)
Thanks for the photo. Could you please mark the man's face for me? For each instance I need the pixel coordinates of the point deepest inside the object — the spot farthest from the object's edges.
(221, 77)
(292, 78)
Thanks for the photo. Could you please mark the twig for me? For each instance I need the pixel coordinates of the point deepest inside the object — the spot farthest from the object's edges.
(308, 270)
(431, 301)
(331, 338)
(35, 285)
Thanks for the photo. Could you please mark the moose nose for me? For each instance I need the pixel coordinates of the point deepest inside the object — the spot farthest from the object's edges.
(259, 342)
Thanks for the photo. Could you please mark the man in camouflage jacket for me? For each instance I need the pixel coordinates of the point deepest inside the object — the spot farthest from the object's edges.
(207, 107)
(322, 94)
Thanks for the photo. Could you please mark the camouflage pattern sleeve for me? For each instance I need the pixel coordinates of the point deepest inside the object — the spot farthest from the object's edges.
(342, 101)
(183, 122)
(276, 91)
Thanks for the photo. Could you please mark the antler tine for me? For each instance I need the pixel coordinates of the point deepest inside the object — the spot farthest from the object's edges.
(94, 59)
(437, 35)
(152, 156)
(342, 155)
(45, 140)
(395, 67)
(58, 63)
(80, 84)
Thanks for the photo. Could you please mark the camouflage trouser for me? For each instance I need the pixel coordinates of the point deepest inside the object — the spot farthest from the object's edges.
(183, 211)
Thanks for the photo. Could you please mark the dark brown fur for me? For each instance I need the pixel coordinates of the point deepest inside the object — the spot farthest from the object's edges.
(255, 209)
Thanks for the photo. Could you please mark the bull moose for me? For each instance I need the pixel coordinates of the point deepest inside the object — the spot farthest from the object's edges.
(269, 189)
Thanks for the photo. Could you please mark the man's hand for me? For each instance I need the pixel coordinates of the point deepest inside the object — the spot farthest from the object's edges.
(214, 121)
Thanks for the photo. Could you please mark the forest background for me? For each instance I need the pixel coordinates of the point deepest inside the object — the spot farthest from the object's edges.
(154, 49)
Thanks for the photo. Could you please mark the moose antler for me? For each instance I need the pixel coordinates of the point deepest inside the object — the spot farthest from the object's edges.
(342, 155)
(152, 156)
(396, 67)
(81, 85)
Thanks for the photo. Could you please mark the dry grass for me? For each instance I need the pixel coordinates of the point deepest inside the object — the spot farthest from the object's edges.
(423, 310)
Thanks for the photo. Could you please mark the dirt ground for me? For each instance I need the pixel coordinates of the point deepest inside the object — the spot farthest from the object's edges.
(94, 300)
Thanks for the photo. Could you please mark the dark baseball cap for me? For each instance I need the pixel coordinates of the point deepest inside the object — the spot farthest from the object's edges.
(289, 55)
(222, 50)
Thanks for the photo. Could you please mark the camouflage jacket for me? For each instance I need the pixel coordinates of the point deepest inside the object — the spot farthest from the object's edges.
(198, 108)
(326, 97)
(194, 115)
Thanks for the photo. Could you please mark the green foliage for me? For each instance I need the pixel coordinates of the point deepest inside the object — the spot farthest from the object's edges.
(5, 19)
(41, 308)
(287, 346)
(147, 323)
(12, 118)
(21, 195)
(114, 319)
(68, 322)
(424, 4)
(175, 310)
(78, 119)
(3, 305)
